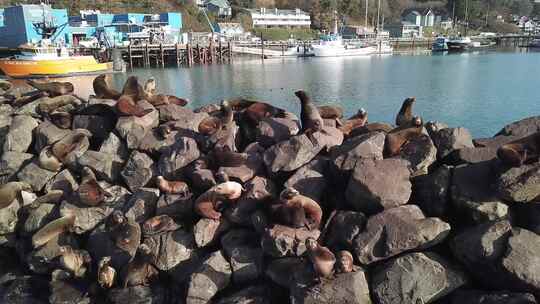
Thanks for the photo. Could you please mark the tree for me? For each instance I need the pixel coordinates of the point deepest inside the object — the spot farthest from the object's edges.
(522, 7)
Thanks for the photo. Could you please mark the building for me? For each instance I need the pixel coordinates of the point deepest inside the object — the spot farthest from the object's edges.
(268, 18)
(404, 30)
(422, 17)
(356, 31)
(220, 8)
(230, 30)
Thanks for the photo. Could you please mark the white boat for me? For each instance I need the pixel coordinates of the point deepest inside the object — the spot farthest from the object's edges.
(333, 46)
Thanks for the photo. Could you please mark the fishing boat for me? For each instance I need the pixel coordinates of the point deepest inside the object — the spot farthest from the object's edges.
(459, 44)
(333, 46)
(440, 45)
(534, 43)
(48, 61)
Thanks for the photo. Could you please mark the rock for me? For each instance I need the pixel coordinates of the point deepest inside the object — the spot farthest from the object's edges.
(175, 205)
(133, 129)
(328, 138)
(450, 139)
(432, 191)
(19, 137)
(272, 130)
(379, 184)
(64, 181)
(521, 184)
(309, 179)
(99, 126)
(397, 230)
(88, 218)
(245, 255)
(258, 294)
(10, 164)
(103, 165)
(520, 261)
(415, 278)
(37, 218)
(344, 226)
(351, 288)
(173, 112)
(100, 244)
(177, 157)
(207, 231)
(69, 292)
(291, 154)
(239, 174)
(27, 290)
(492, 297)
(35, 176)
(472, 195)
(526, 216)
(42, 260)
(421, 153)
(433, 127)
(115, 146)
(522, 127)
(282, 271)
(9, 217)
(142, 204)
(46, 134)
(494, 142)
(280, 241)
(138, 171)
(259, 191)
(473, 155)
(137, 294)
(213, 276)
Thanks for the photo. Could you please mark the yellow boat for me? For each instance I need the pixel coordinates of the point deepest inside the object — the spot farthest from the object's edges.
(50, 62)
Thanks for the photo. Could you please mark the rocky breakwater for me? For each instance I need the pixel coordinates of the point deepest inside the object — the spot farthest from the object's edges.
(129, 197)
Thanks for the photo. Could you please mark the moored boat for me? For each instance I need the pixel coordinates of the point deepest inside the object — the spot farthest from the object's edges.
(459, 44)
(440, 45)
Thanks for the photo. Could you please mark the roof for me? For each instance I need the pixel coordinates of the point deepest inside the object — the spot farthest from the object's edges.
(419, 11)
(218, 3)
(279, 11)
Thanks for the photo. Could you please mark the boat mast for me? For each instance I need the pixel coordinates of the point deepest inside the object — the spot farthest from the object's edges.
(378, 14)
(466, 17)
(366, 19)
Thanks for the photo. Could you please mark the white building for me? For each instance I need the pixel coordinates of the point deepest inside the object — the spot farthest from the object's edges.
(279, 18)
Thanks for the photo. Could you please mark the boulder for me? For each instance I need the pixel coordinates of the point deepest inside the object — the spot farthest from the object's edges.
(291, 154)
(526, 216)
(282, 271)
(259, 191)
(494, 142)
(138, 171)
(258, 294)
(19, 137)
(43, 260)
(415, 278)
(46, 134)
(309, 180)
(245, 255)
(9, 217)
(184, 116)
(37, 218)
(26, 290)
(64, 181)
(208, 231)
(272, 130)
(104, 165)
(522, 127)
(521, 184)
(10, 164)
(100, 244)
(181, 154)
(35, 176)
(520, 261)
(142, 204)
(451, 139)
(115, 146)
(99, 126)
(473, 155)
(328, 138)
(343, 228)
(137, 294)
(398, 230)
(379, 184)
(491, 297)
(213, 276)
(421, 153)
(175, 205)
(280, 241)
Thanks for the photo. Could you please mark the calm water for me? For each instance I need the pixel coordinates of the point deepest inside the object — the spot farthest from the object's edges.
(481, 91)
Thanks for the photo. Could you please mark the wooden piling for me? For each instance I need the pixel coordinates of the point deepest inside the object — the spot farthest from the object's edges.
(162, 55)
(177, 49)
(130, 57)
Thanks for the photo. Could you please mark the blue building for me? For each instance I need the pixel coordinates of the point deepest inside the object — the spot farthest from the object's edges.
(21, 24)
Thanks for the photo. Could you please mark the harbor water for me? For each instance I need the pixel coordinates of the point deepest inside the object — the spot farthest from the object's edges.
(480, 91)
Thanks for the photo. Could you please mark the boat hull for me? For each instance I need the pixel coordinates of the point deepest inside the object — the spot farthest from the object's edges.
(17, 68)
(342, 52)
(457, 46)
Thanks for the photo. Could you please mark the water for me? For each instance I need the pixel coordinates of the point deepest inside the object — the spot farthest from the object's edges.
(479, 91)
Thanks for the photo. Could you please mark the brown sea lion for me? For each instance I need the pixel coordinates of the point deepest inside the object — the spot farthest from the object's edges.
(69, 143)
(259, 110)
(150, 86)
(9, 191)
(126, 106)
(133, 88)
(405, 115)
(75, 261)
(330, 112)
(291, 197)
(53, 88)
(227, 158)
(309, 114)
(102, 89)
(322, 258)
(201, 177)
(53, 229)
(240, 104)
(140, 270)
(126, 234)
(520, 151)
(48, 161)
(171, 187)
(206, 204)
(158, 225)
(90, 193)
(400, 136)
(20, 101)
(289, 215)
(106, 273)
(210, 125)
(356, 121)
(345, 262)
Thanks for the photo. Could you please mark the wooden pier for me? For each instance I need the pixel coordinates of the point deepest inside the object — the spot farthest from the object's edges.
(162, 55)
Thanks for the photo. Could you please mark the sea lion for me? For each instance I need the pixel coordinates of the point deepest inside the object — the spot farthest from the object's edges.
(171, 187)
(201, 177)
(126, 106)
(291, 197)
(356, 121)
(259, 110)
(53, 196)
(60, 119)
(102, 89)
(289, 215)
(20, 101)
(49, 105)
(90, 193)
(53, 229)
(106, 273)
(162, 99)
(133, 88)
(400, 136)
(126, 234)
(53, 88)
(9, 191)
(48, 161)
(331, 112)
(206, 204)
(322, 258)
(345, 262)
(69, 143)
(140, 270)
(158, 225)
(5, 85)
(227, 158)
(210, 125)
(309, 114)
(75, 261)
(405, 115)
(520, 151)
(150, 86)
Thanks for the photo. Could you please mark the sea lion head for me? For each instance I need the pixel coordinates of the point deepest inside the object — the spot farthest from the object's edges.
(362, 112)
(199, 164)
(222, 177)
(231, 190)
(225, 104)
(144, 249)
(302, 95)
(164, 131)
(311, 243)
(288, 193)
(117, 217)
(345, 261)
(69, 86)
(417, 121)
(104, 261)
(295, 216)
(409, 100)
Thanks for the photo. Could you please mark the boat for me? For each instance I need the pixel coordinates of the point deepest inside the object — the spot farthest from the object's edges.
(440, 45)
(459, 44)
(333, 46)
(49, 61)
(535, 43)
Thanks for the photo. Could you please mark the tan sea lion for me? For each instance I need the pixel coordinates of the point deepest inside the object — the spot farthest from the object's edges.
(75, 261)
(171, 187)
(9, 191)
(405, 115)
(291, 197)
(49, 105)
(53, 229)
(210, 125)
(90, 193)
(126, 106)
(322, 258)
(309, 114)
(357, 121)
(158, 225)
(102, 89)
(520, 151)
(400, 136)
(53, 196)
(106, 273)
(48, 161)
(345, 262)
(150, 86)
(53, 88)
(330, 112)
(69, 143)
(206, 204)
(140, 270)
